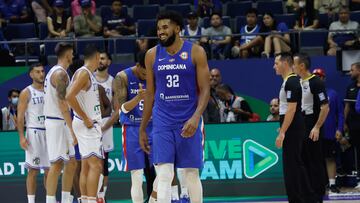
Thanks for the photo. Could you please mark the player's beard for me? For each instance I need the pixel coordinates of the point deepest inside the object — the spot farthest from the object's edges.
(102, 68)
(169, 41)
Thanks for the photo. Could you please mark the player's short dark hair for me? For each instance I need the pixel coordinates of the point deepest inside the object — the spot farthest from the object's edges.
(62, 47)
(13, 90)
(173, 16)
(90, 50)
(357, 65)
(141, 58)
(216, 13)
(286, 56)
(34, 65)
(305, 59)
(251, 11)
(226, 88)
(106, 53)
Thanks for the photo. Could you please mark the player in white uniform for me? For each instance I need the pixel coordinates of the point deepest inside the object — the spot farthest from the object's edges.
(59, 134)
(30, 107)
(83, 97)
(106, 80)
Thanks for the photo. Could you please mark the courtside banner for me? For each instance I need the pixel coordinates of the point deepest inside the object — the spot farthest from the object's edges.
(240, 159)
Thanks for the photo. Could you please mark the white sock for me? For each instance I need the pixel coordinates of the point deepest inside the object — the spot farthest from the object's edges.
(137, 195)
(65, 196)
(165, 176)
(332, 182)
(100, 183)
(104, 190)
(91, 200)
(83, 199)
(174, 192)
(182, 181)
(31, 198)
(71, 199)
(184, 193)
(152, 200)
(101, 195)
(50, 199)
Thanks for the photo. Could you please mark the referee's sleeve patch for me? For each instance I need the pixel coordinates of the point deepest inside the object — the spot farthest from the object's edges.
(322, 96)
(288, 94)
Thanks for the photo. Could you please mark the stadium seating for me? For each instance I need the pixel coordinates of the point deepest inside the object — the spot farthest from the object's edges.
(80, 44)
(143, 26)
(275, 7)
(234, 9)
(288, 19)
(145, 11)
(184, 9)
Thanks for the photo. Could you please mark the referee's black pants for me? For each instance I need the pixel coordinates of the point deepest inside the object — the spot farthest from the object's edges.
(297, 184)
(314, 159)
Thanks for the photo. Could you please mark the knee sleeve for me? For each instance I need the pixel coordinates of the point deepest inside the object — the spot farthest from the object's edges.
(165, 176)
(194, 184)
(136, 186)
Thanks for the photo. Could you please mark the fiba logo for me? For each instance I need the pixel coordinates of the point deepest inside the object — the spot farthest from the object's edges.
(36, 161)
(162, 96)
(132, 117)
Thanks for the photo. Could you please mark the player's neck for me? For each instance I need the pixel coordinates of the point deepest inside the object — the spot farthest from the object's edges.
(89, 66)
(63, 64)
(38, 86)
(286, 73)
(175, 47)
(102, 75)
(305, 75)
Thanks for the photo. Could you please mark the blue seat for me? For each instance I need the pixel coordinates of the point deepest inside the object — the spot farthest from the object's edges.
(184, 9)
(81, 45)
(145, 25)
(275, 7)
(43, 30)
(355, 16)
(288, 19)
(20, 31)
(106, 10)
(161, 2)
(313, 38)
(324, 21)
(226, 21)
(131, 3)
(145, 11)
(122, 46)
(240, 21)
(234, 9)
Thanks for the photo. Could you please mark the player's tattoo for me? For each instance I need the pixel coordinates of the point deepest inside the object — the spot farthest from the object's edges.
(61, 85)
(120, 89)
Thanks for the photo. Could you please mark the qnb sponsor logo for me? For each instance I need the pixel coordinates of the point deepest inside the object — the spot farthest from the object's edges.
(172, 67)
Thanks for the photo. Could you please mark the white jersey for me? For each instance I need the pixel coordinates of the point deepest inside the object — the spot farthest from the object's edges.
(51, 106)
(107, 85)
(34, 115)
(89, 99)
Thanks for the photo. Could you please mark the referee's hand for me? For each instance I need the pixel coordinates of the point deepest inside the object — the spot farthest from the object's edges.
(279, 140)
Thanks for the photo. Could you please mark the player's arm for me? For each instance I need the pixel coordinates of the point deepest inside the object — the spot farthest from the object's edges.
(357, 105)
(148, 100)
(120, 89)
(115, 113)
(80, 82)
(105, 104)
(203, 82)
(21, 108)
(61, 82)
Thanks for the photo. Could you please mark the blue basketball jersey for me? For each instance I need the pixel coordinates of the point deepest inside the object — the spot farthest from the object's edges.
(176, 94)
(134, 116)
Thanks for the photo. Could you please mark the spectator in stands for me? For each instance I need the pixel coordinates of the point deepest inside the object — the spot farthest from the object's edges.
(219, 42)
(14, 11)
(215, 107)
(193, 30)
(76, 7)
(118, 23)
(354, 5)
(292, 6)
(59, 24)
(205, 8)
(87, 24)
(249, 45)
(344, 39)
(274, 110)
(236, 108)
(307, 18)
(331, 7)
(42, 9)
(9, 112)
(276, 38)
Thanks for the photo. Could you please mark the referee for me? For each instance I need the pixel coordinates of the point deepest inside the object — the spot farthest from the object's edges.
(291, 133)
(315, 108)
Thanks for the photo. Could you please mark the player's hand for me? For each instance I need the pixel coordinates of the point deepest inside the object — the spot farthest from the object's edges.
(279, 140)
(338, 135)
(141, 92)
(88, 123)
(190, 126)
(314, 134)
(23, 143)
(144, 142)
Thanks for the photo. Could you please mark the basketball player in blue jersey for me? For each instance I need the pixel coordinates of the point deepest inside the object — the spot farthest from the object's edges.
(178, 90)
(31, 107)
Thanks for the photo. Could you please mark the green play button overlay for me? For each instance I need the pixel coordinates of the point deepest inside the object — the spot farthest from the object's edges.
(257, 158)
